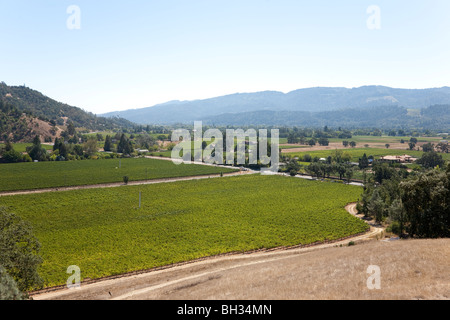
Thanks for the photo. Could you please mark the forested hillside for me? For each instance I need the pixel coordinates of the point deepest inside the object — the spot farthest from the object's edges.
(38, 105)
(298, 103)
(434, 117)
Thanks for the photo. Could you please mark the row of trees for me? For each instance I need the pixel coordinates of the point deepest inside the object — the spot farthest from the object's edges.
(346, 143)
(77, 147)
(325, 170)
(338, 164)
(306, 136)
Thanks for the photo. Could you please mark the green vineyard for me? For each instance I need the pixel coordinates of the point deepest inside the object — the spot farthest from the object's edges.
(28, 176)
(105, 233)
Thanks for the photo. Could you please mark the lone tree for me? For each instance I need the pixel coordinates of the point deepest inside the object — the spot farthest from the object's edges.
(431, 160)
(376, 206)
(349, 174)
(71, 129)
(36, 151)
(426, 205)
(363, 162)
(293, 167)
(428, 147)
(324, 141)
(90, 147)
(108, 144)
(125, 146)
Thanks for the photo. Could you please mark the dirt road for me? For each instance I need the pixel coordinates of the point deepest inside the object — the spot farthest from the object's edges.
(119, 184)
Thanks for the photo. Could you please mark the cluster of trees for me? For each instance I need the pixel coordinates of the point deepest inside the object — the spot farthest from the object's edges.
(120, 143)
(431, 159)
(346, 143)
(336, 165)
(9, 155)
(415, 204)
(312, 136)
(325, 170)
(34, 152)
(72, 146)
(411, 143)
(19, 257)
(442, 147)
(125, 146)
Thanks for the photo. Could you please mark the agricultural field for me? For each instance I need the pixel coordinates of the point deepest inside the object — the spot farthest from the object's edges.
(22, 147)
(386, 139)
(292, 146)
(52, 174)
(104, 233)
(357, 153)
(368, 142)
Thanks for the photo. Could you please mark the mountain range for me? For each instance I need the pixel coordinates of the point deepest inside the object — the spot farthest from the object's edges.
(370, 106)
(311, 106)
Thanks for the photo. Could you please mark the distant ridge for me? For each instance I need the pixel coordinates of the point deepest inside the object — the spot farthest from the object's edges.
(318, 99)
(390, 117)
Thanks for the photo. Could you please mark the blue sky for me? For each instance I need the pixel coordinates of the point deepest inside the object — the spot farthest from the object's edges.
(137, 53)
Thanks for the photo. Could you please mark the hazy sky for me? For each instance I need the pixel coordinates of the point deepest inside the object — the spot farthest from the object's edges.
(137, 53)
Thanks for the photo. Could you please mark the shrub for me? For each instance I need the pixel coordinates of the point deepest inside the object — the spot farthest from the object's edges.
(394, 227)
(27, 158)
(12, 156)
(8, 287)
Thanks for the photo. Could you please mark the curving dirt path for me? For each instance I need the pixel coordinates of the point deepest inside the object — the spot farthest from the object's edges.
(155, 284)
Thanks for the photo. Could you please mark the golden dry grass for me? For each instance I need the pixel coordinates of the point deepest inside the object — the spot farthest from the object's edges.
(416, 269)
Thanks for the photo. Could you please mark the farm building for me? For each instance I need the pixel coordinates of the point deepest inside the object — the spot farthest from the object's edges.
(399, 159)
